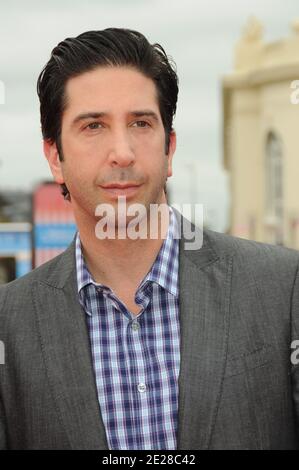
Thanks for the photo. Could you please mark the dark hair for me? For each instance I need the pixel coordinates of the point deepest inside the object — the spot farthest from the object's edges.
(109, 47)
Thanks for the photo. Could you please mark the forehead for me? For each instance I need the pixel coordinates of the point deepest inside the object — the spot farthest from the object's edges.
(109, 89)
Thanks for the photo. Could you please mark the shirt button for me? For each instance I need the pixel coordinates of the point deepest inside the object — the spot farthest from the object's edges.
(135, 326)
(141, 387)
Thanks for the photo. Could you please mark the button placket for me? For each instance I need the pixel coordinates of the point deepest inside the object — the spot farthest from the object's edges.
(135, 325)
(141, 387)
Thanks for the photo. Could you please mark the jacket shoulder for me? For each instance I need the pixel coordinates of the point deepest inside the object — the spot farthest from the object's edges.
(251, 252)
(53, 272)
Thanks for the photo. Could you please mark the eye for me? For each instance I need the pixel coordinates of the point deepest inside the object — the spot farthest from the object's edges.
(93, 125)
(141, 124)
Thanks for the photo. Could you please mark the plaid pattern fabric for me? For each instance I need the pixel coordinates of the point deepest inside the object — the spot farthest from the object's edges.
(136, 358)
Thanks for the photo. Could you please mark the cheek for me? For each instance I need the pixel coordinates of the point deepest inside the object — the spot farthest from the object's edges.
(156, 162)
(77, 174)
(153, 146)
(81, 158)
(82, 151)
(77, 144)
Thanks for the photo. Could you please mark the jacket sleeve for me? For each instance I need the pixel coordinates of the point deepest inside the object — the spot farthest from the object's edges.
(294, 351)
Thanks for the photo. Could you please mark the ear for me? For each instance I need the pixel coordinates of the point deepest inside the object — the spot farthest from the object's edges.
(51, 153)
(171, 150)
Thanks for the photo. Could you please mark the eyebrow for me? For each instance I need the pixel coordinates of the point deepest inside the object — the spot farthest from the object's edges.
(97, 115)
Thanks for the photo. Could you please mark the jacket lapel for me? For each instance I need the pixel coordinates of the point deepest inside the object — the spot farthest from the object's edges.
(67, 354)
(204, 279)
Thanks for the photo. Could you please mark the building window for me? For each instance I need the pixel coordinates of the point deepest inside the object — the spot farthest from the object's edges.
(274, 189)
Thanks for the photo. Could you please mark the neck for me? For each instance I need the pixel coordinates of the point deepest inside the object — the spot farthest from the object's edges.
(116, 262)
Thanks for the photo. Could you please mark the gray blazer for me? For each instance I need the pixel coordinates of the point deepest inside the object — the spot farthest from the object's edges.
(239, 312)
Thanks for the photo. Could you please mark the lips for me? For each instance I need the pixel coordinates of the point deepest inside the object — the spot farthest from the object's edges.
(116, 189)
(120, 186)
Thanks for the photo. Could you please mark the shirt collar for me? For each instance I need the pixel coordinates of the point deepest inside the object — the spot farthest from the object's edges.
(164, 270)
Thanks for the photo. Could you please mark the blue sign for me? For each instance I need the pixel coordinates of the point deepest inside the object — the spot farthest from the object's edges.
(57, 235)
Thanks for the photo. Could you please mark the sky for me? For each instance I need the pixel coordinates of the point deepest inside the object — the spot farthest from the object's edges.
(200, 36)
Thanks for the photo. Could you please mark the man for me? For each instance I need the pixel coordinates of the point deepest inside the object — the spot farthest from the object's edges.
(125, 343)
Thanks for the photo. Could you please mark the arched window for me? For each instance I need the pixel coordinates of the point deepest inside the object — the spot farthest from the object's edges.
(274, 189)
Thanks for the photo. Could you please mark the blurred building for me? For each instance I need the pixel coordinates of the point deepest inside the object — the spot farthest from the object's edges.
(15, 206)
(34, 227)
(260, 137)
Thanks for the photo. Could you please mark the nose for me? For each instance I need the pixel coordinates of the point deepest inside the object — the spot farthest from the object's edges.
(121, 152)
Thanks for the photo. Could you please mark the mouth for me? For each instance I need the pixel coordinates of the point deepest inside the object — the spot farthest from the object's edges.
(116, 189)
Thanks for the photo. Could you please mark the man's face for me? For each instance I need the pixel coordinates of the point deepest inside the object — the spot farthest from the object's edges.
(122, 141)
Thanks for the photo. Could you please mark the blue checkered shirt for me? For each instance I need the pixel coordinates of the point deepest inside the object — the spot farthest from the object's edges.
(136, 358)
